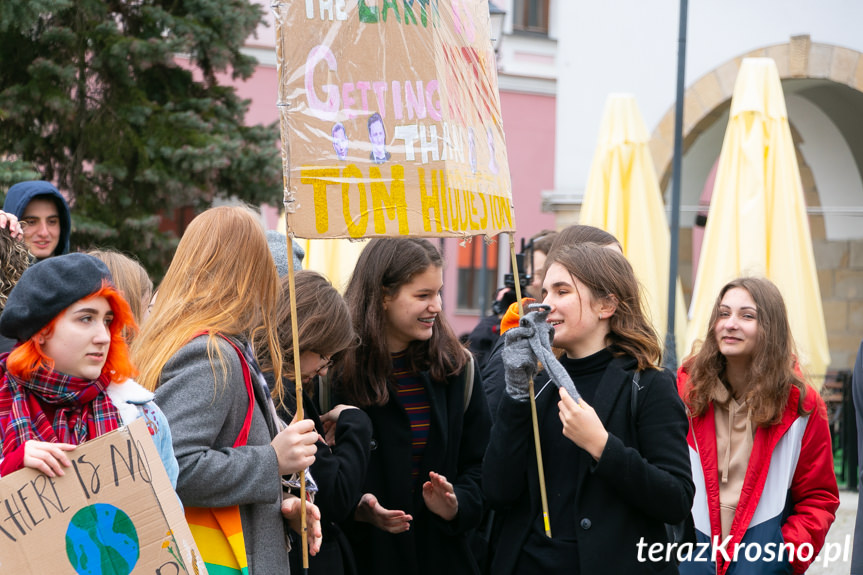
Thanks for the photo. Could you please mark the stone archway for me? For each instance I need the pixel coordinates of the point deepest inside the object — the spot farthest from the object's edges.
(840, 263)
(710, 96)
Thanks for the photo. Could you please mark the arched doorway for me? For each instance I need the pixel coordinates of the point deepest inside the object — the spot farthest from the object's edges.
(823, 87)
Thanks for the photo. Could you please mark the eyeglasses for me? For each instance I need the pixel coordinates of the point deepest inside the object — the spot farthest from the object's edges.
(328, 363)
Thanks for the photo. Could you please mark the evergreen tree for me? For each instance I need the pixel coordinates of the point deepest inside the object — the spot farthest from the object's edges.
(118, 103)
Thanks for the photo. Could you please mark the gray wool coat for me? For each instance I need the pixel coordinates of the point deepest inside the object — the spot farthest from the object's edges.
(206, 415)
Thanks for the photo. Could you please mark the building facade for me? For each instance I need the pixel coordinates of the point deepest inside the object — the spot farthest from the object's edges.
(631, 46)
(559, 60)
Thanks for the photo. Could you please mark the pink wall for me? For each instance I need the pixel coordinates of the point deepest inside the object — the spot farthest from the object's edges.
(261, 89)
(529, 123)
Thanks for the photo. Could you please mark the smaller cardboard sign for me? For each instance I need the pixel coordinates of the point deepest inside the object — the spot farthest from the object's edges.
(113, 512)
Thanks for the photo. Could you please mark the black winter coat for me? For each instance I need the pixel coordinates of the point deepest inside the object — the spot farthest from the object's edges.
(625, 496)
(493, 381)
(457, 440)
(339, 473)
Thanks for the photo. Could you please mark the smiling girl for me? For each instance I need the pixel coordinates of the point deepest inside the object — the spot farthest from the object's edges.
(430, 424)
(68, 379)
(759, 437)
(612, 479)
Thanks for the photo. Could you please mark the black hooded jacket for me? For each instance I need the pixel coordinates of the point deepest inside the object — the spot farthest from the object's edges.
(23, 193)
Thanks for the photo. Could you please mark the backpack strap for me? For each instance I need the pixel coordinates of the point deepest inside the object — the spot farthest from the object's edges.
(633, 405)
(633, 399)
(243, 437)
(468, 383)
(677, 533)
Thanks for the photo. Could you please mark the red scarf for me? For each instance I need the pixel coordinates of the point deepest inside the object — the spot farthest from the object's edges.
(81, 407)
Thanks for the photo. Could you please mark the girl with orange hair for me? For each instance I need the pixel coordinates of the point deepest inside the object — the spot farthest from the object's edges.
(68, 379)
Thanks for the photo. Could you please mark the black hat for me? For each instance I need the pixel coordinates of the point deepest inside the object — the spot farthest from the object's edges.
(47, 288)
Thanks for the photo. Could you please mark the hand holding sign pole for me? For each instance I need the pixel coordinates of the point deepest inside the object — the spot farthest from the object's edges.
(534, 417)
(290, 204)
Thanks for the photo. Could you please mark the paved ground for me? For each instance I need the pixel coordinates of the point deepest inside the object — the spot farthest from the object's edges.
(840, 536)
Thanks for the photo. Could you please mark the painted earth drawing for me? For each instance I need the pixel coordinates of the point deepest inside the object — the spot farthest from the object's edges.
(101, 540)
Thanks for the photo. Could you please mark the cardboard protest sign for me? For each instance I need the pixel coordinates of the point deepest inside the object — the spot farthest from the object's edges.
(114, 512)
(390, 119)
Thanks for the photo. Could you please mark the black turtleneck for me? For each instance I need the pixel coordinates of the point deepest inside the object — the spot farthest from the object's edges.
(561, 462)
(586, 372)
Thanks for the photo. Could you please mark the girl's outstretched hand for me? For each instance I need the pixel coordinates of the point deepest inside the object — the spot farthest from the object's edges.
(439, 496)
(581, 425)
(389, 520)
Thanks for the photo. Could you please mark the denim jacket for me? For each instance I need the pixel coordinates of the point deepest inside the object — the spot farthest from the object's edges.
(134, 402)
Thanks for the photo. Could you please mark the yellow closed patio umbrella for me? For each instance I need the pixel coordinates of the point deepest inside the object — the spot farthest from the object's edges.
(334, 258)
(622, 197)
(757, 223)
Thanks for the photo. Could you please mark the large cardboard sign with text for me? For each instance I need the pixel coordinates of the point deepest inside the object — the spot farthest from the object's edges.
(390, 118)
(114, 512)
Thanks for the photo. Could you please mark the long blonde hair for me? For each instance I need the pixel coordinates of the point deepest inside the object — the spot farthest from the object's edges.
(222, 280)
(131, 279)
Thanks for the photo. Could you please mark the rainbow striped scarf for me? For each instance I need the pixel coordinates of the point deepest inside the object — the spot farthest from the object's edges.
(219, 536)
(218, 531)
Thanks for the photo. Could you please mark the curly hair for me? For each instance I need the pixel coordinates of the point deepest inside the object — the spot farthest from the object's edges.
(14, 259)
(773, 367)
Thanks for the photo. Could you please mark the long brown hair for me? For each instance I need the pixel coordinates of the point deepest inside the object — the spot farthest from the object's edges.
(222, 280)
(609, 276)
(583, 234)
(384, 266)
(323, 322)
(772, 370)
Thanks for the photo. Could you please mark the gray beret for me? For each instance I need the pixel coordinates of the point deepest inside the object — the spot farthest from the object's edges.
(279, 248)
(47, 288)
